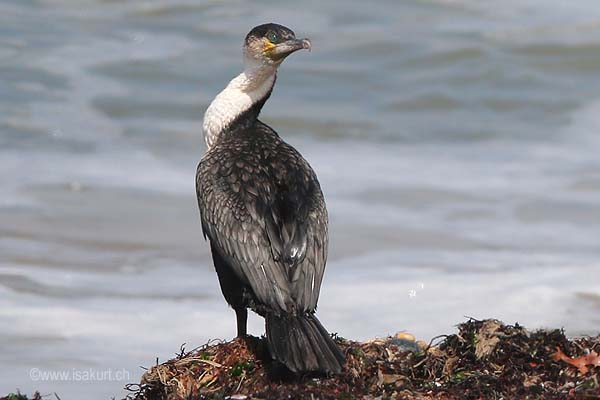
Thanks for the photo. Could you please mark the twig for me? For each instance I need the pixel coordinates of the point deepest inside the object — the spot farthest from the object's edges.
(240, 384)
(198, 359)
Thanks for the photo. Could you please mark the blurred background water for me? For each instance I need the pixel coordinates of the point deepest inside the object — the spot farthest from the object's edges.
(457, 143)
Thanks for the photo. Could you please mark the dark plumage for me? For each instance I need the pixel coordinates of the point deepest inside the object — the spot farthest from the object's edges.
(264, 214)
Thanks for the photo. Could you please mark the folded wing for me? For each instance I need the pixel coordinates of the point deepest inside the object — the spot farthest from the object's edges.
(267, 218)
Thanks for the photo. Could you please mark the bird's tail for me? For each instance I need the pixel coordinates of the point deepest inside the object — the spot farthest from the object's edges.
(302, 344)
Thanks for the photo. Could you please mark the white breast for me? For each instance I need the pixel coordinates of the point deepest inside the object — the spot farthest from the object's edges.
(242, 92)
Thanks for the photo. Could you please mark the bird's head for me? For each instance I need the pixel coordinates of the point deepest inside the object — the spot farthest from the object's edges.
(270, 44)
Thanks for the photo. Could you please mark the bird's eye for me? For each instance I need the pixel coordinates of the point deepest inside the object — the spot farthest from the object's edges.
(272, 36)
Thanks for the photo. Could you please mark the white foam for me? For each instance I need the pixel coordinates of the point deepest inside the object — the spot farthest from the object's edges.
(532, 295)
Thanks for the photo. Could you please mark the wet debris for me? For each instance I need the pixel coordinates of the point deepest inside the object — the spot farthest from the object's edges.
(19, 396)
(483, 360)
(583, 363)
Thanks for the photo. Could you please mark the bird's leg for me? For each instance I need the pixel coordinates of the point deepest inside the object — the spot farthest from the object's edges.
(242, 321)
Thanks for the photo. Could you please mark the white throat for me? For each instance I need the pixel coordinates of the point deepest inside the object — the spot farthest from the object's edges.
(243, 91)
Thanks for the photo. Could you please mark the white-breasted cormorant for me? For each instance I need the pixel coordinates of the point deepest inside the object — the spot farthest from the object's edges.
(263, 212)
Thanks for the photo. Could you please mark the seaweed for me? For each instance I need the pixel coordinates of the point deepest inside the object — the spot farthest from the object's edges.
(483, 360)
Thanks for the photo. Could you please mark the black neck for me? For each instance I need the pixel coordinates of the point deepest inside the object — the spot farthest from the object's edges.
(250, 116)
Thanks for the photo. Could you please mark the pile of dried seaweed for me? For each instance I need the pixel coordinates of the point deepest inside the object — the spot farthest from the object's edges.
(484, 360)
(19, 396)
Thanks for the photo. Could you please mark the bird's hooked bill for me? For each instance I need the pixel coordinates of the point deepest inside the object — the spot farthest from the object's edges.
(279, 51)
(297, 44)
(306, 44)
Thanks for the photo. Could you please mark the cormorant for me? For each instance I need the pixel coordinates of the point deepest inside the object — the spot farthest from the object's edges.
(263, 211)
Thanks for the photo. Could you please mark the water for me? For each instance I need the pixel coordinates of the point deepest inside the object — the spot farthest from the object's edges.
(456, 142)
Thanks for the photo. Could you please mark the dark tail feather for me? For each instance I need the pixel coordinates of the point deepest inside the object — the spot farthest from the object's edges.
(302, 344)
